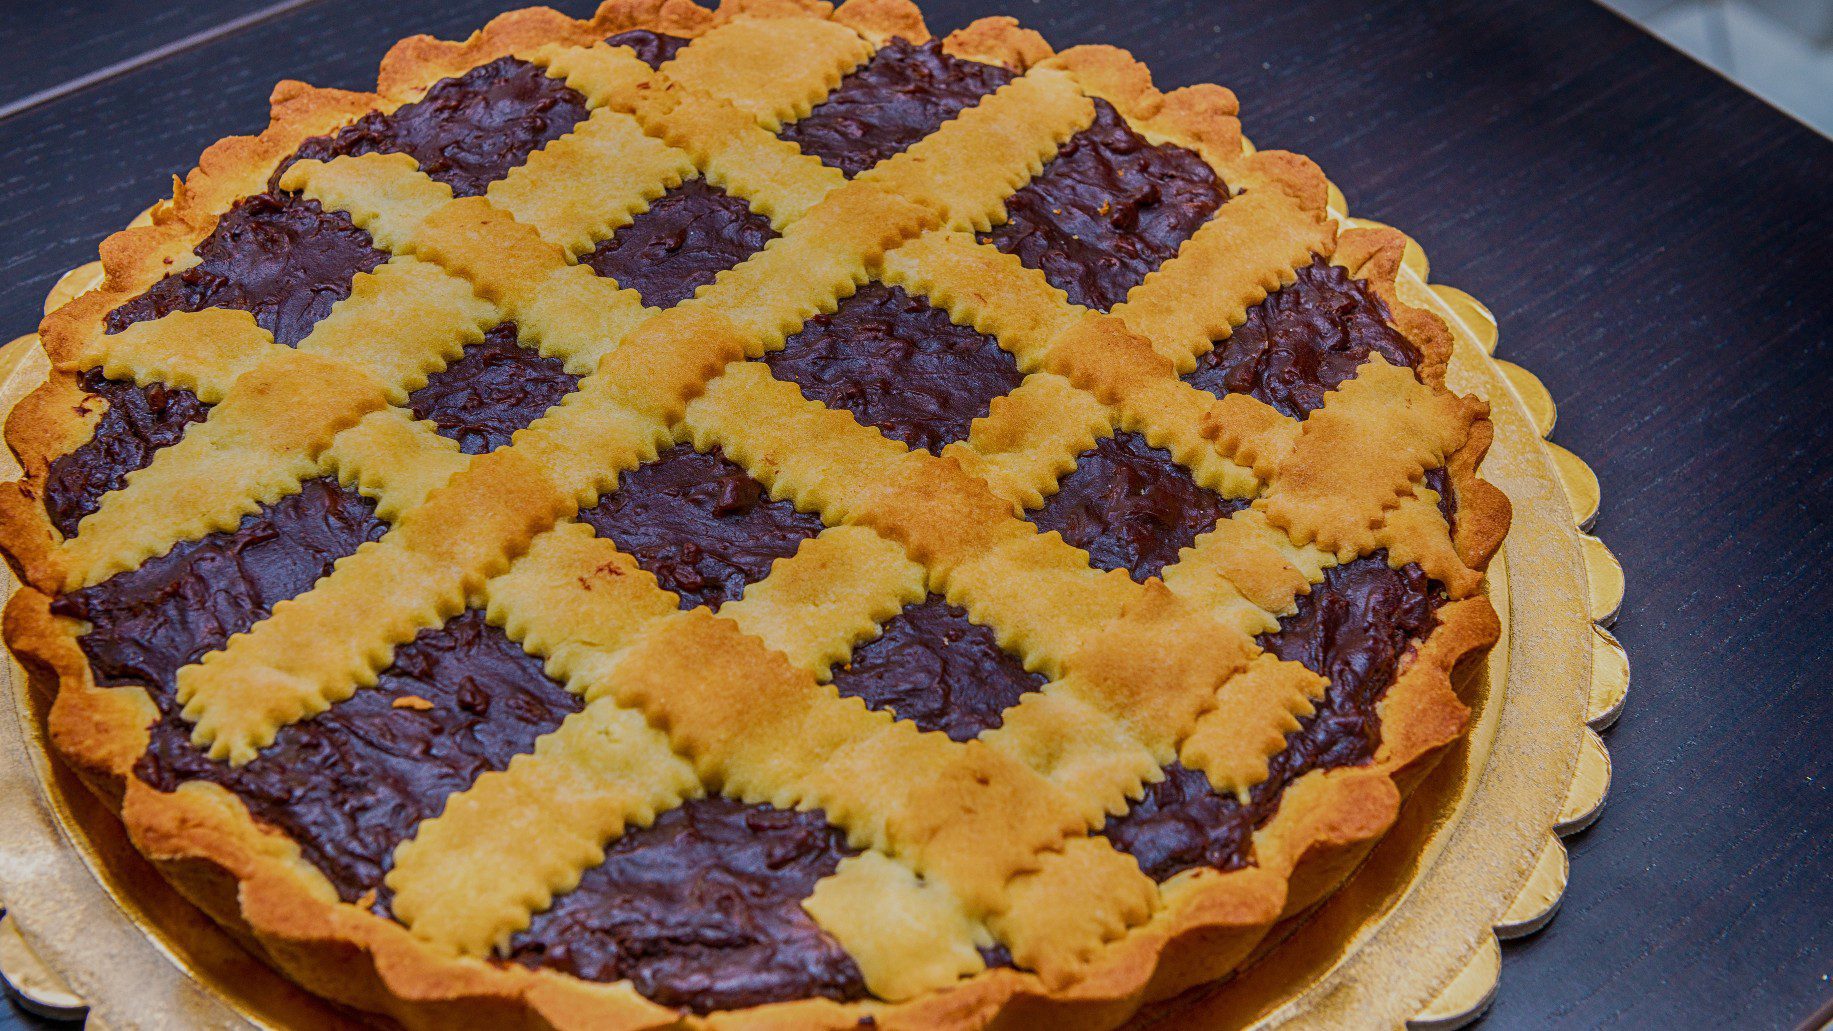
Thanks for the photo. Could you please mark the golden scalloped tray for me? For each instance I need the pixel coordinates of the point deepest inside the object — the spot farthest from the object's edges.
(1410, 940)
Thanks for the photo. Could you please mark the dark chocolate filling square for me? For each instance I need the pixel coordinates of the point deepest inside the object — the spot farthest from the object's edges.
(933, 666)
(701, 524)
(683, 242)
(1108, 210)
(496, 387)
(904, 93)
(900, 364)
(702, 910)
(1131, 507)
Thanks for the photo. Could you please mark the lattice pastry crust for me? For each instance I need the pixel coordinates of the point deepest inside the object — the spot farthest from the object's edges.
(961, 844)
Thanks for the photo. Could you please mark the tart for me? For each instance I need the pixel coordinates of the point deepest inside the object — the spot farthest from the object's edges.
(756, 517)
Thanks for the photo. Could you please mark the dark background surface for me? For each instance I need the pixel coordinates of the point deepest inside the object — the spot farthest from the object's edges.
(1655, 243)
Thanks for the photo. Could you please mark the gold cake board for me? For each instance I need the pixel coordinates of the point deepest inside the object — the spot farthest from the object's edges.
(1410, 940)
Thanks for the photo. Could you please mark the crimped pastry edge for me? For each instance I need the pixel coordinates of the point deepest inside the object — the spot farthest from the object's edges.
(253, 881)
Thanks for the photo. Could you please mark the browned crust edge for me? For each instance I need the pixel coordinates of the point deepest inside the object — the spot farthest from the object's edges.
(253, 881)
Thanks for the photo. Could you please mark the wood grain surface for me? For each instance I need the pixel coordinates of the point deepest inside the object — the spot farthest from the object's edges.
(55, 44)
(1656, 245)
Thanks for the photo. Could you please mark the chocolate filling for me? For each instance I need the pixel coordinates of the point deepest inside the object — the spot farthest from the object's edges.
(701, 524)
(1303, 341)
(899, 364)
(495, 388)
(934, 667)
(688, 236)
(1108, 210)
(175, 608)
(468, 131)
(139, 421)
(353, 782)
(652, 48)
(279, 257)
(1354, 629)
(283, 259)
(904, 93)
(702, 910)
(1131, 507)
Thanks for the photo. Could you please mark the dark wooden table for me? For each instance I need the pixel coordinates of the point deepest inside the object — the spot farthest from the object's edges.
(1655, 242)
